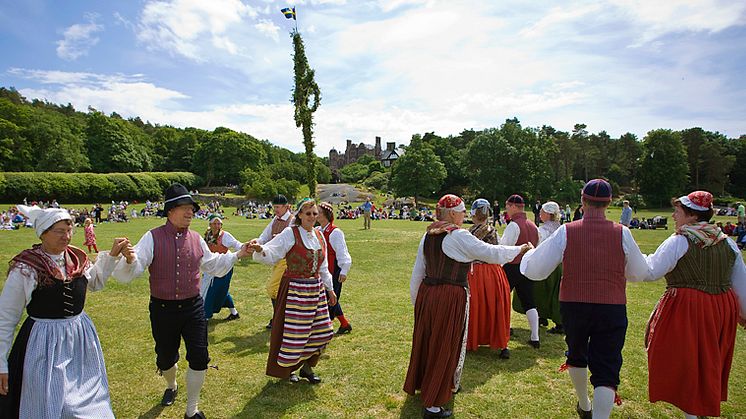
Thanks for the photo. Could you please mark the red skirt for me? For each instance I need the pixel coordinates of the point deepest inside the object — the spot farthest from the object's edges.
(690, 340)
(489, 307)
(437, 343)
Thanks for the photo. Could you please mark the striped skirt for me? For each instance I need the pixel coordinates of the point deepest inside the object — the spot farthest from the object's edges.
(301, 326)
(64, 375)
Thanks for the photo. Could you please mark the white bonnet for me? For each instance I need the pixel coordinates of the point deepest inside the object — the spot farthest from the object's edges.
(42, 218)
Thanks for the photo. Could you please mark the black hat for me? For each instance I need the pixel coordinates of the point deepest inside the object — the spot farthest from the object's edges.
(516, 199)
(597, 190)
(177, 194)
(279, 200)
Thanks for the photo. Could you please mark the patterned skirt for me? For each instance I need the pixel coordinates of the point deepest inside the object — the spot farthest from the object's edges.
(301, 326)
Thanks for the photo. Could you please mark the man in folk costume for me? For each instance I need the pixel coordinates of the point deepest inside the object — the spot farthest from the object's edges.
(174, 256)
(215, 290)
(596, 255)
(339, 261)
(439, 290)
(282, 219)
(521, 230)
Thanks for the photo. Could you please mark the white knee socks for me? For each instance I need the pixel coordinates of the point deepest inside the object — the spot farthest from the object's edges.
(533, 323)
(194, 381)
(603, 401)
(233, 311)
(170, 376)
(579, 377)
(688, 416)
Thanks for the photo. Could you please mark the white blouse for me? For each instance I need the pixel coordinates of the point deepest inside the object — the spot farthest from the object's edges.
(276, 249)
(21, 283)
(461, 246)
(338, 243)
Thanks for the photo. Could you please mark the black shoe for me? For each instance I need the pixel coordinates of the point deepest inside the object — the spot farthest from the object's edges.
(584, 414)
(198, 415)
(269, 325)
(310, 376)
(442, 413)
(534, 343)
(505, 353)
(343, 330)
(169, 396)
(557, 330)
(543, 322)
(232, 317)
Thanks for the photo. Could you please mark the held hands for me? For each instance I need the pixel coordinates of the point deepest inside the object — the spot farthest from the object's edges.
(123, 246)
(246, 250)
(526, 247)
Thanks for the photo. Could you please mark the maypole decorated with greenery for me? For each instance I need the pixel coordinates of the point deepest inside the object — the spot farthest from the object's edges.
(306, 98)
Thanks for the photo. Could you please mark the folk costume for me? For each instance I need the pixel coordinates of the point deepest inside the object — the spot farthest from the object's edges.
(596, 255)
(489, 305)
(275, 227)
(56, 366)
(690, 337)
(215, 290)
(546, 292)
(439, 291)
(302, 327)
(520, 231)
(174, 258)
(339, 262)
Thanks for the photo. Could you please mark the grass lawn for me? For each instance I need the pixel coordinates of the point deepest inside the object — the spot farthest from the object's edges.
(364, 371)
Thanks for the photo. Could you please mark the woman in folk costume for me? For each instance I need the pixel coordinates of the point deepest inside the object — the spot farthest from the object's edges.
(546, 292)
(56, 367)
(302, 328)
(439, 290)
(691, 333)
(489, 305)
(338, 260)
(215, 291)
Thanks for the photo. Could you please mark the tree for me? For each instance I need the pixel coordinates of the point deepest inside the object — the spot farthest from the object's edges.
(225, 154)
(306, 98)
(353, 172)
(115, 147)
(418, 172)
(738, 188)
(663, 172)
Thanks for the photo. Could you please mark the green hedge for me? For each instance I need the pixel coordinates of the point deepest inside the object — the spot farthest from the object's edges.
(89, 187)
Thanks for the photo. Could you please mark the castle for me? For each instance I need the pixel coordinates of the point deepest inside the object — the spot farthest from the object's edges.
(354, 152)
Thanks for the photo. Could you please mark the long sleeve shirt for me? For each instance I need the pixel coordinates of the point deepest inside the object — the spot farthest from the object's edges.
(231, 242)
(17, 291)
(538, 263)
(266, 235)
(339, 244)
(461, 246)
(276, 249)
(667, 256)
(215, 264)
(510, 235)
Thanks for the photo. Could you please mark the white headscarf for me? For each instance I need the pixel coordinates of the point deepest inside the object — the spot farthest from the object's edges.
(42, 219)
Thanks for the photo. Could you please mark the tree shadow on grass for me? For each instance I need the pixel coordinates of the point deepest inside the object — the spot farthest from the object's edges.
(412, 407)
(276, 398)
(243, 345)
(154, 412)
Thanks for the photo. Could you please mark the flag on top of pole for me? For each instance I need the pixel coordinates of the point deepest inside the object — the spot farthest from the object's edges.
(289, 13)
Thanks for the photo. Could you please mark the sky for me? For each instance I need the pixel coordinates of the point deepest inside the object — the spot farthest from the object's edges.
(387, 68)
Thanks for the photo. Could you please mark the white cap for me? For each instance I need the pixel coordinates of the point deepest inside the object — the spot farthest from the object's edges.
(551, 207)
(42, 219)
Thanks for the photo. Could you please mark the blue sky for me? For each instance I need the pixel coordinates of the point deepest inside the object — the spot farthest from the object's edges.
(387, 68)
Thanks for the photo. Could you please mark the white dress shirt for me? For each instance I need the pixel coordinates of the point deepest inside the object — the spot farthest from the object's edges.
(21, 283)
(215, 264)
(538, 263)
(667, 256)
(510, 235)
(461, 246)
(276, 249)
(338, 243)
(228, 241)
(266, 235)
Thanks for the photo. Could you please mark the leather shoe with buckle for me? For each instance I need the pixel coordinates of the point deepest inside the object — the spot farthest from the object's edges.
(232, 317)
(442, 413)
(198, 415)
(343, 330)
(505, 353)
(310, 376)
(584, 414)
(169, 396)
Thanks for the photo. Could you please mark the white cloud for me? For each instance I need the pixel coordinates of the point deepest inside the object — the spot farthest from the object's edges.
(78, 39)
(268, 28)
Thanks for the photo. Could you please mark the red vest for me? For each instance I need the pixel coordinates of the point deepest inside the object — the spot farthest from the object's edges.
(303, 262)
(218, 247)
(174, 272)
(594, 260)
(331, 255)
(529, 233)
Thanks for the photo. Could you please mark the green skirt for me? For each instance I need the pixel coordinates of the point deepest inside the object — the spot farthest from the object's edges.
(546, 297)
